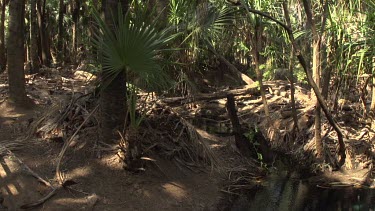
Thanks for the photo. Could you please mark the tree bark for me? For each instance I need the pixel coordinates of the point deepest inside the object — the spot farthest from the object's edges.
(17, 91)
(42, 33)
(290, 67)
(316, 76)
(112, 100)
(60, 50)
(256, 41)
(3, 61)
(34, 38)
(242, 143)
(75, 16)
(372, 106)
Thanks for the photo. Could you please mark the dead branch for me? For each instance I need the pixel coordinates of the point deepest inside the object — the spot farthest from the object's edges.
(65, 147)
(251, 90)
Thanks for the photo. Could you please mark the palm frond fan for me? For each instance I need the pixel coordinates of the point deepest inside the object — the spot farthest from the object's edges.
(134, 47)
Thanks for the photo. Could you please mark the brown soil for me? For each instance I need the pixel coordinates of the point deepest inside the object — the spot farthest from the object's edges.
(101, 182)
(97, 181)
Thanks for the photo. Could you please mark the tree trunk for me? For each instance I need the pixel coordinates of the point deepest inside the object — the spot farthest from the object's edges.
(257, 45)
(2, 36)
(243, 144)
(34, 38)
(372, 106)
(17, 92)
(311, 82)
(316, 70)
(318, 118)
(113, 94)
(60, 50)
(291, 72)
(42, 33)
(75, 16)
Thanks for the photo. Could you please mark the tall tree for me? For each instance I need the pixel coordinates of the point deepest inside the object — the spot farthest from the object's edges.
(2, 36)
(113, 95)
(60, 31)
(316, 69)
(17, 91)
(44, 49)
(34, 38)
(75, 7)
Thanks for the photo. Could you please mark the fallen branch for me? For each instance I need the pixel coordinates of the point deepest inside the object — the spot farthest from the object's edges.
(251, 90)
(58, 172)
(40, 179)
(65, 147)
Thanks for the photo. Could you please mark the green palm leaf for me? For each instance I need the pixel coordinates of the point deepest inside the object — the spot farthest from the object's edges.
(133, 47)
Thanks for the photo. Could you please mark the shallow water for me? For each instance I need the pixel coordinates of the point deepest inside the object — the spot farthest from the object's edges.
(284, 193)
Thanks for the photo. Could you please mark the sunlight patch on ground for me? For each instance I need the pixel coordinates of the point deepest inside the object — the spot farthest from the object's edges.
(80, 172)
(13, 189)
(111, 161)
(3, 174)
(175, 190)
(70, 201)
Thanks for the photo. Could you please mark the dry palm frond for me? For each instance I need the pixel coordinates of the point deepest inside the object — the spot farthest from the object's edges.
(13, 145)
(59, 118)
(172, 137)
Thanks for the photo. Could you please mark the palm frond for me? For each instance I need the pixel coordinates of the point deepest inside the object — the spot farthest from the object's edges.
(132, 46)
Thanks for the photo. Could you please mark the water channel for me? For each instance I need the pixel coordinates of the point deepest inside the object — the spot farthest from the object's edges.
(280, 192)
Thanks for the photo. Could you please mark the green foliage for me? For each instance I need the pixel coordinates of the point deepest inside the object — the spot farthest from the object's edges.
(134, 47)
(300, 75)
(250, 135)
(132, 100)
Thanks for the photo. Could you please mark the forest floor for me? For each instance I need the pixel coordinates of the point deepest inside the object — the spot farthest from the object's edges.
(31, 142)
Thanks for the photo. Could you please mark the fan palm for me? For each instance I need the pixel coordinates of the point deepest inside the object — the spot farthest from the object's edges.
(128, 49)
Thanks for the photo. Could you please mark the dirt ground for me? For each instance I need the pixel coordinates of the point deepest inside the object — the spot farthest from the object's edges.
(97, 181)
(101, 183)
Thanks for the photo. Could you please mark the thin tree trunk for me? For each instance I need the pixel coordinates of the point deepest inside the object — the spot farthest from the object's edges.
(318, 118)
(316, 69)
(42, 33)
(243, 144)
(2, 37)
(48, 40)
(256, 41)
(60, 50)
(17, 91)
(27, 39)
(34, 38)
(311, 82)
(75, 16)
(372, 106)
(290, 67)
(325, 55)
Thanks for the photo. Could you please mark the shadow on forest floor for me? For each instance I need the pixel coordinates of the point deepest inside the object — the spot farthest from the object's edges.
(100, 183)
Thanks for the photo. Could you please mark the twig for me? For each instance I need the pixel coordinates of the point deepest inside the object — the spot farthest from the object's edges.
(58, 172)
(40, 201)
(65, 147)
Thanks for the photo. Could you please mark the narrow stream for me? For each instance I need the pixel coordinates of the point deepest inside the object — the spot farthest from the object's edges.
(281, 192)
